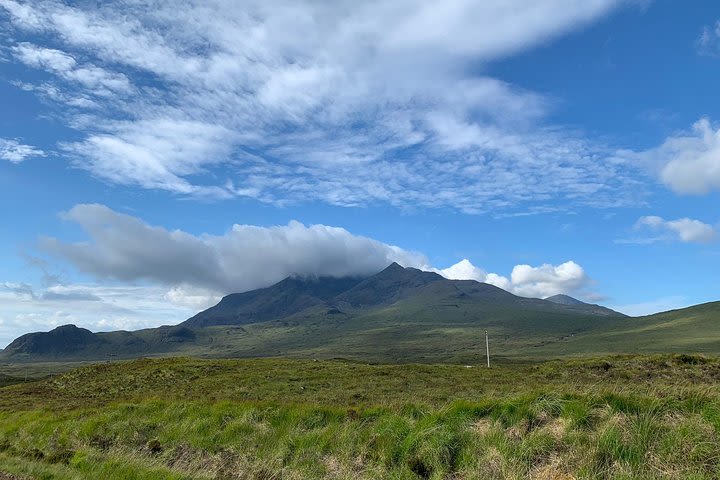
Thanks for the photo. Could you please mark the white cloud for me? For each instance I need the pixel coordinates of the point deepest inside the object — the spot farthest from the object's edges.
(98, 80)
(16, 152)
(201, 267)
(159, 276)
(547, 280)
(709, 40)
(464, 270)
(48, 58)
(527, 281)
(688, 163)
(684, 229)
(349, 103)
(192, 297)
(125, 248)
(95, 307)
(155, 154)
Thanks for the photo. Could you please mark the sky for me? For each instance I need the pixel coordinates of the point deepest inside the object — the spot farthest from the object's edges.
(155, 156)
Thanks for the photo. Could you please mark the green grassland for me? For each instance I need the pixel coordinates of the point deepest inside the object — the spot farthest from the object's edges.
(184, 418)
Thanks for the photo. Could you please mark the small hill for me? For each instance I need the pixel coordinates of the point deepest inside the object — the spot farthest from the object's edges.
(70, 343)
(61, 340)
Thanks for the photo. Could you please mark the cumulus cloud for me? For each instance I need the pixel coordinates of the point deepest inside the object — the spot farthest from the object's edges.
(547, 280)
(464, 270)
(349, 103)
(16, 152)
(683, 229)
(527, 281)
(199, 267)
(125, 248)
(688, 163)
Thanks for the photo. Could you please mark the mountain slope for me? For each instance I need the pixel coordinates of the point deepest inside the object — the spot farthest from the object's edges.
(277, 301)
(388, 286)
(694, 329)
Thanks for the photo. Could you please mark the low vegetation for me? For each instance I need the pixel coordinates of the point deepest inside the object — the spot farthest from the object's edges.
(615, 417)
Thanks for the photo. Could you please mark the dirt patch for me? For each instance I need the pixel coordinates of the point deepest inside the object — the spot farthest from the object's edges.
(550, 471)
(483, 426)
(556, 427)
(518, 431)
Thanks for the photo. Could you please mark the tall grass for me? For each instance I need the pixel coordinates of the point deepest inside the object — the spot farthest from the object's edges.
(585, 425)
(546, 436)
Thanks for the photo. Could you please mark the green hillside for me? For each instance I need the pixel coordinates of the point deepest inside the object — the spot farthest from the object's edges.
(692, 330)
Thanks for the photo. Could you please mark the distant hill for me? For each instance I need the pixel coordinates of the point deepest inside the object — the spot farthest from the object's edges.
(397, 315)
(62, 340)
(69, 342)
(565, 300)
(694, 329)
(574, 302)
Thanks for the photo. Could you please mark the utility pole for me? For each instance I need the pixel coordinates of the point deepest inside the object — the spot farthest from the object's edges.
(487, 348)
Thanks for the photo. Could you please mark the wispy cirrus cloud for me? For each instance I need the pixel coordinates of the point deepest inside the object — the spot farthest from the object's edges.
(708, 42)
(98, 80)
(345, 103)
(15, 152)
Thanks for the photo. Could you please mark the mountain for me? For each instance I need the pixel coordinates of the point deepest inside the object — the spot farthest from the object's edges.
(390, 285)
(285, 298)
(397, 315)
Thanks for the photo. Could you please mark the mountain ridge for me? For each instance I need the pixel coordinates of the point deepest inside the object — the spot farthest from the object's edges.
(397, 315)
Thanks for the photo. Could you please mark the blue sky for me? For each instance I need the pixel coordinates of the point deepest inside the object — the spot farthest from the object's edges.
(154, 158)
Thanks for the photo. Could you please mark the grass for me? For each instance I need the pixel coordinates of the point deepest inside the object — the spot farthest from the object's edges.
(616, 417)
